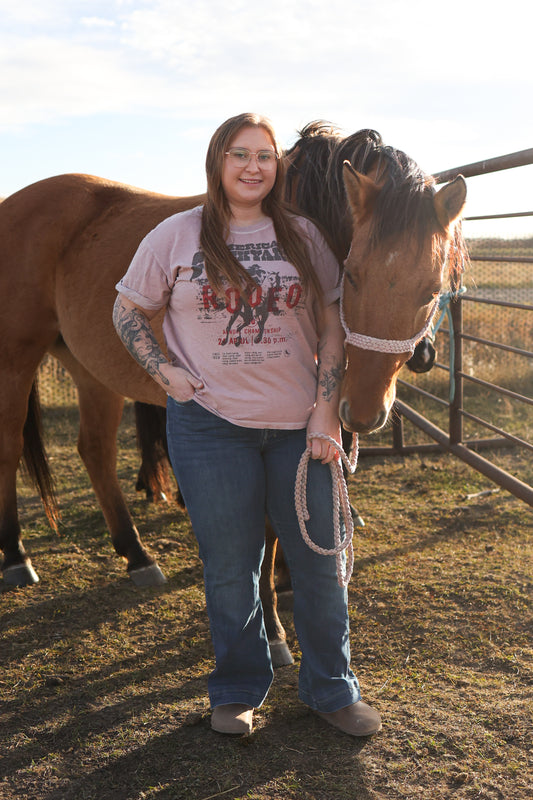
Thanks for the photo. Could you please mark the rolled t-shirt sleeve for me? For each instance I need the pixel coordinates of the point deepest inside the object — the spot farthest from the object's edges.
(146, 283)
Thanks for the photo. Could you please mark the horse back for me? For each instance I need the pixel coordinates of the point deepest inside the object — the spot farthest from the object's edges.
(48, 225)
(66, 242)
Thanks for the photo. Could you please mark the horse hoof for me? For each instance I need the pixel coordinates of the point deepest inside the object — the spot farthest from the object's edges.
(21, 574)
(147, 576)
(280, 654)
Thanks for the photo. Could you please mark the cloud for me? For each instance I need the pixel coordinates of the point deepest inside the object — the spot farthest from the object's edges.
(404, 67)
(133, 89)
(45, 79)
(98, 22)
(31, 13)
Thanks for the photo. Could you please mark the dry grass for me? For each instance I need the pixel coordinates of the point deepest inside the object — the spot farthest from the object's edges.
(504, 273)
(103, 685)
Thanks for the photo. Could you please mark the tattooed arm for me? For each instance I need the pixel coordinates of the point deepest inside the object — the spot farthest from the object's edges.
(133, 326)
(325, 416)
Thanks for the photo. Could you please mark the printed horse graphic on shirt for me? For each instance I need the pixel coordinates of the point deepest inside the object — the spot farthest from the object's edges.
(258, 307)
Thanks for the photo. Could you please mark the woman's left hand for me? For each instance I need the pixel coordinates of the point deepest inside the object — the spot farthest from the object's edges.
(322, 421)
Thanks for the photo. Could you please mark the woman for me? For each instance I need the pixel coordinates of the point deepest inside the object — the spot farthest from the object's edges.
(250, 292)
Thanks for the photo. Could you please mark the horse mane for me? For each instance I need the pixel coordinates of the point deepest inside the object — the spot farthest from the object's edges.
(315, 184)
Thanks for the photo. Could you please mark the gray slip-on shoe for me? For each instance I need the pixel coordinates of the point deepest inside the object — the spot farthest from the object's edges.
(233, 718)
(359, 719)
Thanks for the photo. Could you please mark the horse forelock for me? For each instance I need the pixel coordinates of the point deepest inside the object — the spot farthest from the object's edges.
(315, 185)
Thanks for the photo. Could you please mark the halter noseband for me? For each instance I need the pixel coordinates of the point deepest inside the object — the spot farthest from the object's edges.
(384, 345)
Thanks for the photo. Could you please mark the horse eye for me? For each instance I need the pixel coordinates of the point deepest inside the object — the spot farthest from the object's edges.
(351, 279)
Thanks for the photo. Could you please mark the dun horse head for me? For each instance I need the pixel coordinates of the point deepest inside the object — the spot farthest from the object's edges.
(399, 240)
(405, 244)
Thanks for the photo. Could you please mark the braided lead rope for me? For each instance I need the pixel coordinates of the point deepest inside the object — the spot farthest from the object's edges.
(444, 308)
(384, 345)
(340, 490)
(341, 503)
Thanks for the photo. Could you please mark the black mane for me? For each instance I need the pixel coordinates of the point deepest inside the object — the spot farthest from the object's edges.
(314, 183)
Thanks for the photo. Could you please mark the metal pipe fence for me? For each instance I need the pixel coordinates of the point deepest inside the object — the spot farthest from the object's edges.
(485, 381)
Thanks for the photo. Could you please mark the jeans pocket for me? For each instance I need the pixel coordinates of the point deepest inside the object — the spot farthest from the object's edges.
(181, 403)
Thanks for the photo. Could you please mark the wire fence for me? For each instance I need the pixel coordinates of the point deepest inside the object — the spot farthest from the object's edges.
(56, 387)
(482, 400)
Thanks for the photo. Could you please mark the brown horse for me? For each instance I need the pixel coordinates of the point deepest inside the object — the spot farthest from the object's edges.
(67, 240)
(398, 239)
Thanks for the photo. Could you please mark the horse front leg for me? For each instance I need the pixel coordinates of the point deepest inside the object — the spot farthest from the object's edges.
(277, 638)
(100, 415)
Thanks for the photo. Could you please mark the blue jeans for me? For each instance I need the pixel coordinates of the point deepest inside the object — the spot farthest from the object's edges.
(230, 477)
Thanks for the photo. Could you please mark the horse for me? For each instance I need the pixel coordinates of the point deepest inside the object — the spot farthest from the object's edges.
(68, 239)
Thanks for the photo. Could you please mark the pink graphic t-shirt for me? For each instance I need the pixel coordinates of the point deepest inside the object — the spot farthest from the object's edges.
(256, 354)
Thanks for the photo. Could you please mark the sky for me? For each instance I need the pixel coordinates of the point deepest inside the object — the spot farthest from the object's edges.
(132, 90)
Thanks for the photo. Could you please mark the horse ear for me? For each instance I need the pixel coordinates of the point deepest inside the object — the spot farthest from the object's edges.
(361, 191)
(450, 201)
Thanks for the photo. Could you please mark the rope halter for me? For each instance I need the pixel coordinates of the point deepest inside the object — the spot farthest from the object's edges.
(341, 504)
(385, 345)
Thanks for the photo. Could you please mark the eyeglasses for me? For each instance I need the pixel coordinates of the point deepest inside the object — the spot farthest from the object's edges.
(240, 157)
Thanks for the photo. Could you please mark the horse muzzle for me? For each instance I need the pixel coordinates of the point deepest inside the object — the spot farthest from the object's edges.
(358, 425)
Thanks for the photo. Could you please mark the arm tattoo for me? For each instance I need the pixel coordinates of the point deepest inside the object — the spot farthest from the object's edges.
(329, 379)
(138, 337)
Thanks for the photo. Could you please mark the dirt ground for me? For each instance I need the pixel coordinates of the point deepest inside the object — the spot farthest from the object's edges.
(103, 685)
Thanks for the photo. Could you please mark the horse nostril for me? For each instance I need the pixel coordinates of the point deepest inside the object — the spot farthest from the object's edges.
(380, 420)
(344, 413)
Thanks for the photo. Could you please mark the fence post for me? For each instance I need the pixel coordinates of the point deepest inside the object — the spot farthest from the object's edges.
(456, 401)
(397, 431)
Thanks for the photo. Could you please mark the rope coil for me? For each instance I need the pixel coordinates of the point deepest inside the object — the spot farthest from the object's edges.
(341, 504)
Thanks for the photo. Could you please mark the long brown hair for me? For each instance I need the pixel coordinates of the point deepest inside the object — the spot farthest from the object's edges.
(222, 268)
